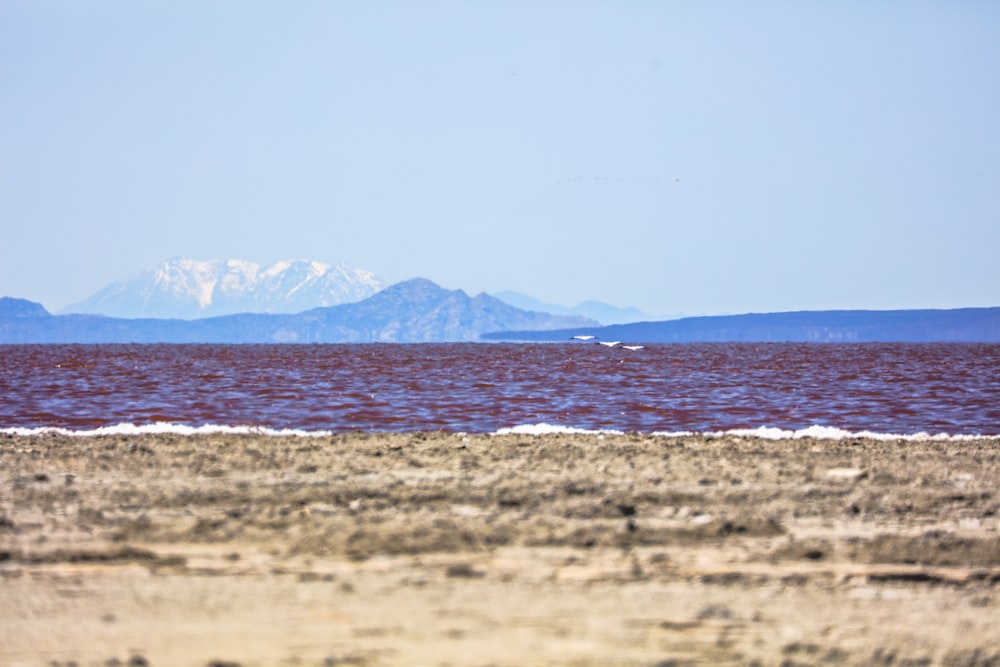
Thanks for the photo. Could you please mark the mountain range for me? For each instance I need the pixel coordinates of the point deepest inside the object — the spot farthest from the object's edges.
(310, 302)
(420, 311)
(409, 312)
(183, 288)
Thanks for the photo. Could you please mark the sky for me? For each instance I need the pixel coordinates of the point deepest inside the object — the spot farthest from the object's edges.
(684, 157)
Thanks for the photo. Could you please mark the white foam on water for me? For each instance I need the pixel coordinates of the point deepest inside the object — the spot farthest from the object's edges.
(815, 431)
(828, 433)
(767, 432)
(545, 429)
(166, 428)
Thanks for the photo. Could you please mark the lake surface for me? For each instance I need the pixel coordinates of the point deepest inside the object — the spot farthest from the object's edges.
(481, 388)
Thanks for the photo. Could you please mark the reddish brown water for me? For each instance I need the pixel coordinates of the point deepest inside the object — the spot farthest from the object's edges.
(903, 389)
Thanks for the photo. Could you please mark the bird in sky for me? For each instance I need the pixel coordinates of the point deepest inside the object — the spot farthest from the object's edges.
(610, 343)
(583, 337)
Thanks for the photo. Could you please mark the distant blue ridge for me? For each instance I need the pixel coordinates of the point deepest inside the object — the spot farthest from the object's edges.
(961, 325)
(418, 310)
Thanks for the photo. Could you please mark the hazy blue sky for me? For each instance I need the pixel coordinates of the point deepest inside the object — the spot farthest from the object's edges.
(683, 157)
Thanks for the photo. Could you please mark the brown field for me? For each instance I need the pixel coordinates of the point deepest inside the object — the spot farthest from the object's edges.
(432, 549)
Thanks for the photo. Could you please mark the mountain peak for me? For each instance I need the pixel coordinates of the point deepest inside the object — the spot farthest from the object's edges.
(420, 310)
(13, 307)
(185, 288)
(420, 287)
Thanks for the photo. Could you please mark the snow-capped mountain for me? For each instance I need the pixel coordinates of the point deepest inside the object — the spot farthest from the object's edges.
(189, 288)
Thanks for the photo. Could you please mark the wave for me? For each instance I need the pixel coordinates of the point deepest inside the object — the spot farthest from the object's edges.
(816, 432)
(160, 428)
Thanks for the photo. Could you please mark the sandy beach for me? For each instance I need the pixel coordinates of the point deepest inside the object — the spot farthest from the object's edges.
(441, 549)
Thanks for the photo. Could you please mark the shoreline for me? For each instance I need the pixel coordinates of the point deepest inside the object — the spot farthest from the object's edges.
(814, 432)
(555, 549)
